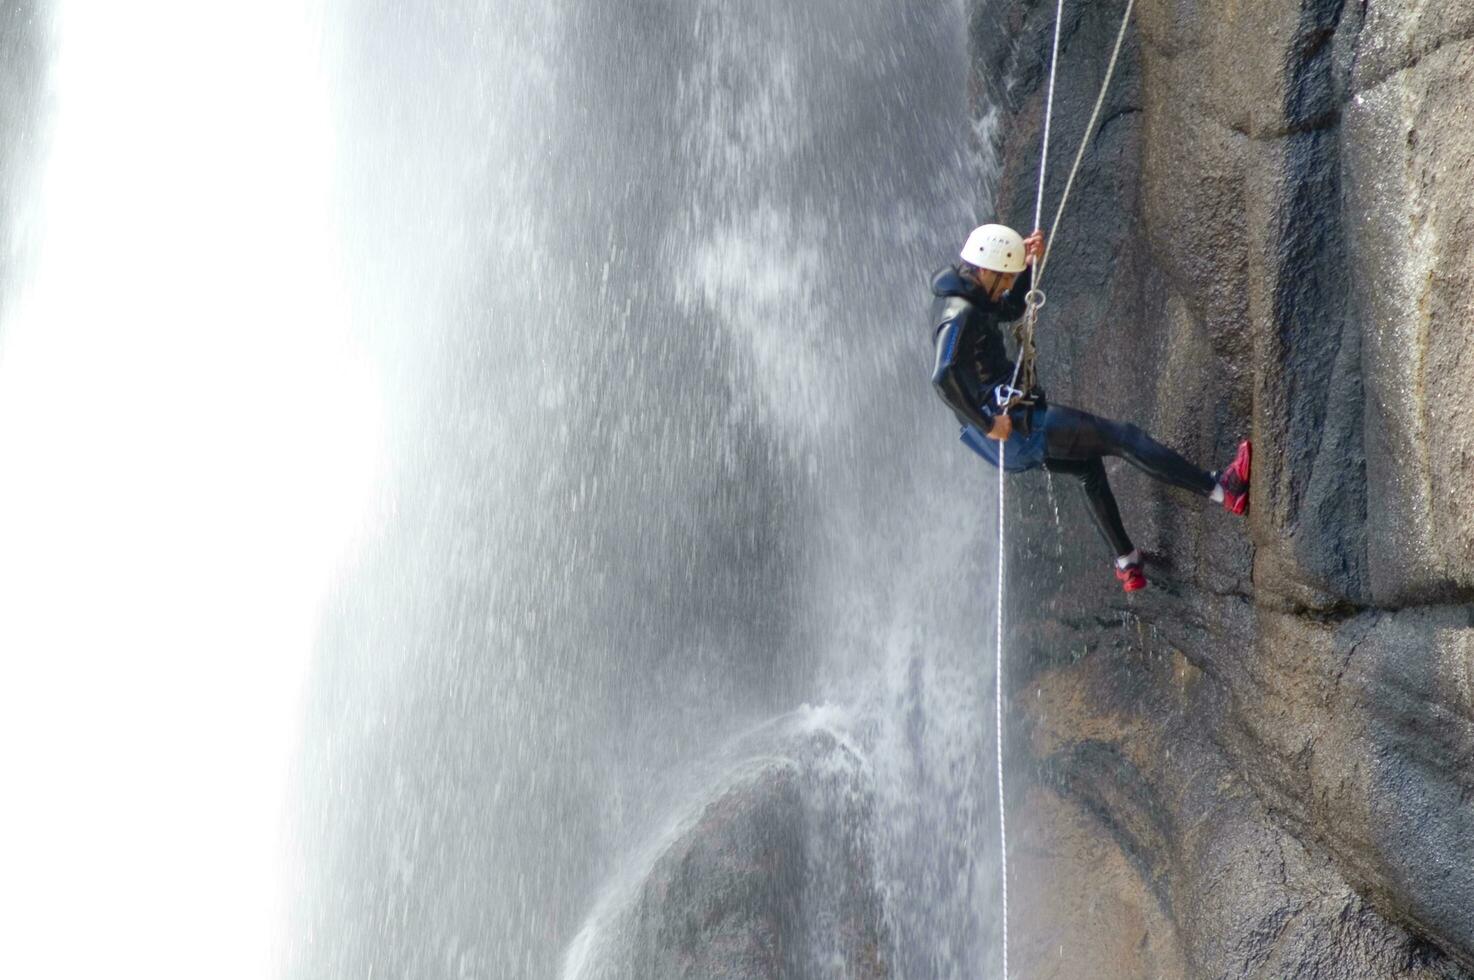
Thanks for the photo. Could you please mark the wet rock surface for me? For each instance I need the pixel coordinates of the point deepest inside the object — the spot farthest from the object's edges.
(723, 901)
(1265, 764)
(773, 878)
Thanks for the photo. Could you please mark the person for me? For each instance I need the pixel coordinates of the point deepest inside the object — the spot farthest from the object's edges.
(974, 376)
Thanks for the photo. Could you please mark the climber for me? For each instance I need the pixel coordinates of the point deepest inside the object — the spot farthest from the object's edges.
(974, 376)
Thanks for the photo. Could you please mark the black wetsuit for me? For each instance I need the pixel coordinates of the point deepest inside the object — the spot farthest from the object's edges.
(972, 362)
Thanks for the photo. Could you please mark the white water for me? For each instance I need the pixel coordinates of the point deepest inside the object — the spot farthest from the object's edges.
(607, 330)
(189, 437)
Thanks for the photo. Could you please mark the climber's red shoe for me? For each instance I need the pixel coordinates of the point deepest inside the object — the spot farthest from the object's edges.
(1131, 577)
(1235, 481)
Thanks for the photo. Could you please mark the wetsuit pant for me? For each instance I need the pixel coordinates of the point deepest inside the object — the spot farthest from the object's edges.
(1075, 443)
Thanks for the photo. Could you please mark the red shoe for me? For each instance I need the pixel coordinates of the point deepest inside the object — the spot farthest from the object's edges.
(1131, 577)
(1235, 481)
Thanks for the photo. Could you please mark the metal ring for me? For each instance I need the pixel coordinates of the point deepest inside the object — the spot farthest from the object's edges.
(1035, 298)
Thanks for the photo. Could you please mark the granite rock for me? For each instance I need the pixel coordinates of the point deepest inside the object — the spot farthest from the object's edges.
(1271, 237)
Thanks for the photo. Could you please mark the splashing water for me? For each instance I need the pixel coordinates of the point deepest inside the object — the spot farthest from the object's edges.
(538, 392)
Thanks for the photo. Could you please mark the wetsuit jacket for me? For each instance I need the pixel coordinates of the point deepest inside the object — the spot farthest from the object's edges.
(971, 357)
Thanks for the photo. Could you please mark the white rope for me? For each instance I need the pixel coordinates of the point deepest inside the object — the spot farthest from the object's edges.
(1036, 300)
(1105, 85)
(1059, 16)
(998, 659)
(998, 717)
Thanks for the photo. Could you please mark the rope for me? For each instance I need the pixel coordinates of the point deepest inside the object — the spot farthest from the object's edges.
(1084, 141)
(1026, 346)
(1035, 300)
(1025, 337)
(1024, 366)
(998, 717)
(1059, 16)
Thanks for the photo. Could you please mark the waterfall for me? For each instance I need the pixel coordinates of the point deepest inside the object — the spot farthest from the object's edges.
(653, 279)
(190, 435)
(567, 383)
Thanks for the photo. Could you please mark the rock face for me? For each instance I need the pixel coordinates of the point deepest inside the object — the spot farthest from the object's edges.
(723, 900)
(772, 879)
(1263, 766)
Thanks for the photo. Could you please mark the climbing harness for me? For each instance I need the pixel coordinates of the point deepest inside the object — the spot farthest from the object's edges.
(1023, 384)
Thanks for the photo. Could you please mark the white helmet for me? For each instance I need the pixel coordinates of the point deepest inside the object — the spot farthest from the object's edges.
(997, 248)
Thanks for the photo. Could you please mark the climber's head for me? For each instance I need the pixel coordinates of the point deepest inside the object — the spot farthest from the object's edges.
(992, 257)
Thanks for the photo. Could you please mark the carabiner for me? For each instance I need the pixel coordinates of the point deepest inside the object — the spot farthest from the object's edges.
(1005, 395)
